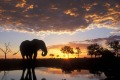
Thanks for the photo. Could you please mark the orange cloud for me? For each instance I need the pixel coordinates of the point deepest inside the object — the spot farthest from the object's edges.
(71, 12)
(43, 16)
(21, 4)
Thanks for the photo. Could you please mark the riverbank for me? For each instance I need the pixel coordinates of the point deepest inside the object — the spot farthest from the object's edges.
(81, 63)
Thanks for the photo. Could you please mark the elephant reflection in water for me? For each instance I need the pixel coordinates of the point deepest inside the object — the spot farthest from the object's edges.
(43, 79)
(29, 49)
(28, 71)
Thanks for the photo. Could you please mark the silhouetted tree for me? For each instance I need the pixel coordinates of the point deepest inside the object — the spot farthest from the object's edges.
(6, 50)
(100, 51)
(90, 53)
(107, 54)
(93, 49)
(116, 46)
(52, 55)
(57, 56)
(67, 50)
(78, 51)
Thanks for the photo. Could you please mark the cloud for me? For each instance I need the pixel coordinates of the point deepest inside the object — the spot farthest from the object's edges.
(58, 15)
(115, 32)
(101, 41)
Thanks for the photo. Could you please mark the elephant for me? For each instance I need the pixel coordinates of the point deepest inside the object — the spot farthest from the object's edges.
(29, 49)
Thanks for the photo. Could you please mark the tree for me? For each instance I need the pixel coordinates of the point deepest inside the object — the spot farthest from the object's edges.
(52, 55)
(57, 56)
(90, 53)
(67, 50)
(100, 51)
(78, 51)
(93, 49)
(107, 54)
(116, 46)
(6, 50)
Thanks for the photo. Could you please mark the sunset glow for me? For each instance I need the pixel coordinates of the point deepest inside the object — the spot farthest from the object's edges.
(76, 23)
(59, 39)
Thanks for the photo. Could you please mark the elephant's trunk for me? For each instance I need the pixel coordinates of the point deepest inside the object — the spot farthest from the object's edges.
(44, 53)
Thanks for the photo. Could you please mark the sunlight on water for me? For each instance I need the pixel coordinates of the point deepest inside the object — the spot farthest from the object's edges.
(43, 73)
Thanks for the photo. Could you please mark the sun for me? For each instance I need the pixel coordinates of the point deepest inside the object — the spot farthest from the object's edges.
(66, 57)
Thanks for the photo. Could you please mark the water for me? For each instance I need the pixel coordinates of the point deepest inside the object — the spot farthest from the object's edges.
(45, 73)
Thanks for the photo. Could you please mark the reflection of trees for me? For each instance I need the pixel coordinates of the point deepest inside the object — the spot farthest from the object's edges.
(43, 79)
(112, 73)
(66, 71)
(109, 66)
(29, 67)
(67, 67)
(4, 75)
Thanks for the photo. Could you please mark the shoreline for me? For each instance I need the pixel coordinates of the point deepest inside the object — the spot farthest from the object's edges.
(74, 63)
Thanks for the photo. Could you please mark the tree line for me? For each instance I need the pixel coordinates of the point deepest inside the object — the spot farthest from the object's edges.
(95, 50)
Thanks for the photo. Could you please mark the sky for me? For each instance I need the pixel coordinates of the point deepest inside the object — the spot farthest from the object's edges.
(59, 23)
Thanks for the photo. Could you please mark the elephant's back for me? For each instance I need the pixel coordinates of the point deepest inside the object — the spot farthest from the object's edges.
(25, 45)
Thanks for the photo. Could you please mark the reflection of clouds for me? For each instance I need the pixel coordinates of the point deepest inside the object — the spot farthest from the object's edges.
(39, 15)
(50, 70)
(82, 75)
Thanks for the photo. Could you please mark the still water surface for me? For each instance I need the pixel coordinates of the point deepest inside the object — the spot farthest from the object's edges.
(44, 73)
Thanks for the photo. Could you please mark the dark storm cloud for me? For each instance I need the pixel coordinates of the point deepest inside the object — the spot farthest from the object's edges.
(57, 15)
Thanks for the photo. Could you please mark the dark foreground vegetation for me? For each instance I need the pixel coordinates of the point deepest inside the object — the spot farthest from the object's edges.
(82, 63)
(110, 66)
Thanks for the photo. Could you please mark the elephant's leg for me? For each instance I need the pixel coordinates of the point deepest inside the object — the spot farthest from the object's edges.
(30, 56)
(23, 56)
(35, 55)
(27, 57)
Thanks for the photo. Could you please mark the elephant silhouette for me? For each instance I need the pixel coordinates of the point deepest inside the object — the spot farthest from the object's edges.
(29, 49)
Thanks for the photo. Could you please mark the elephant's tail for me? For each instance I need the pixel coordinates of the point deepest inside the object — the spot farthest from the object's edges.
(16, 52)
